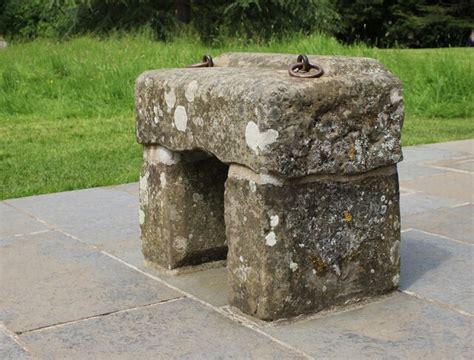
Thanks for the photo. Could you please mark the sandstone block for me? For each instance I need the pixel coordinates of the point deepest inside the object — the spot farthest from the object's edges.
(300, 246)
(182, 208)
(345, 122)
(311, 198)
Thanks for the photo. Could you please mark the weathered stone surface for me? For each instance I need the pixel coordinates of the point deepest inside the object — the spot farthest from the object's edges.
(298, 247)
(348, 121)
(181, 208)
(312, 205)
(332, 65)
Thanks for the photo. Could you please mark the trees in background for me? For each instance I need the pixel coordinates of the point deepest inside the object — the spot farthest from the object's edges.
(410, 23)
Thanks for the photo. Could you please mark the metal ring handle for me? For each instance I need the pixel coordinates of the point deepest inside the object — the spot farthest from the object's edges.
(206, 62)
(302, 68)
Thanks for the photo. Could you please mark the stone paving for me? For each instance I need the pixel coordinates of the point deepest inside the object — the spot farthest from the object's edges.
(73, 283)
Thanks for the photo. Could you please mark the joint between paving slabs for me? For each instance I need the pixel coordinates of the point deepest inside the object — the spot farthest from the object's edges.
(61, 324)
(15, 338)
(436, 302)
(246, 324)
(439, 235)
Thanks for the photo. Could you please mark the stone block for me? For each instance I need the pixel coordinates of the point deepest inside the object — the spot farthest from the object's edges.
(182, 208)
(264, 119)
(300, 246)
(311, 199)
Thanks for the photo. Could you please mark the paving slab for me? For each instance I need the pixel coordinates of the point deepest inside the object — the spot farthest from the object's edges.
(438, 269)
(420, 202)
(13, 222)
(97, 216)
(181, 329)
(424, 153)
(409, 171)
(456, 222)
(9, 349)
(50, 278)
(460, 146)
(209, 285)
(451, 185)
(460, 164)
(398, 327)
(131, 188)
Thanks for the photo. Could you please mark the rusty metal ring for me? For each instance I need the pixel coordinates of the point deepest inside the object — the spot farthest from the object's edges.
(302, 68)
(206, 62)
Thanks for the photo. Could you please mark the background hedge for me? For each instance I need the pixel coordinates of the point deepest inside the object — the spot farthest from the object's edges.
(384, 23)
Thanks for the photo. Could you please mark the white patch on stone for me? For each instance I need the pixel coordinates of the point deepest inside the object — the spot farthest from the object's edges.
(198, 121)
(396, 280)
(180, 118)
(191, 89)
(372, 271)
(394, 252)
(293, 266)
(270, 179)
(242, 272)
(163, 179)
(337, 270)
(395, 96)
(170, 99)
(396, 224)
(158, 114)
(167, 157)
(324, 288)
(160, 154)
(143, 189)
(241, 258)
(253, 186)
(314, 271)
(257, 140)
(141, 216)
(301, 245)
(148, 82)
(180, 244)
(270, 239)
(197, 197)
(274, 220)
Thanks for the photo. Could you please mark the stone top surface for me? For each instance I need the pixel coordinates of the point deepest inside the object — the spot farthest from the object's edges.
(332, 65)
(348, 121)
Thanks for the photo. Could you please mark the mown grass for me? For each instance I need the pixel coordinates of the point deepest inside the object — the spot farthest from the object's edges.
(66, 108)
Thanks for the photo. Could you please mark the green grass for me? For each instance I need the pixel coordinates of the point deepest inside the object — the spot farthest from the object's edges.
(66, 108)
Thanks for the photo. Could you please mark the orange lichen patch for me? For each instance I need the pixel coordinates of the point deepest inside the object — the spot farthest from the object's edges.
(318, 264)
(352, 153)
(347, 216)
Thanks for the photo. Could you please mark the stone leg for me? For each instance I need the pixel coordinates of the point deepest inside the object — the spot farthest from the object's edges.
(181, 208)
(310, 244)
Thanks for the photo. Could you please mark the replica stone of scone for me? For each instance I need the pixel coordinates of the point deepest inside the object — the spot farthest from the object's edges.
(310, 208)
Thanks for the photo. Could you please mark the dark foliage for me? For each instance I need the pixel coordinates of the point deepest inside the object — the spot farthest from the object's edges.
(384, 23)
(409, 23)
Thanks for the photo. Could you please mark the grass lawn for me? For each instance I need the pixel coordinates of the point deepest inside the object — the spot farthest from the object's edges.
(66, 109)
